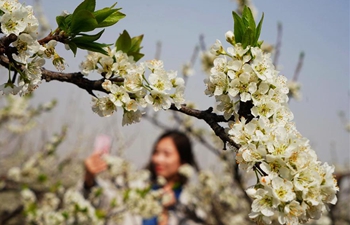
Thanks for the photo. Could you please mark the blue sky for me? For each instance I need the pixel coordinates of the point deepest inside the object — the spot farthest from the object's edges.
(319, 28)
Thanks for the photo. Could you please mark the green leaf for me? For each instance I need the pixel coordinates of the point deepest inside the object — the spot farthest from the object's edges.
(111, 19)
(123, 43)
(258, 28)
(42, 178)
(102, 14)
(248, 38)
(73, 47)
(83, 21)
(87, 38)
(136, 43)
(60, 20)
(94, 47)
(248, 18)
(238, 28)
(88, 5)
(64, 22)
(137, 55)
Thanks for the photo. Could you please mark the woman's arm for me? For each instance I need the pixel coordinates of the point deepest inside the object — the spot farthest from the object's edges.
(94, 165)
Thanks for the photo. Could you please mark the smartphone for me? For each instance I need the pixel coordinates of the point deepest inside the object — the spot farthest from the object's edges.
(102, 144)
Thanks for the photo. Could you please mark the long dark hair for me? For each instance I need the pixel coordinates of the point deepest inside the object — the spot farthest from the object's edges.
(184, 148)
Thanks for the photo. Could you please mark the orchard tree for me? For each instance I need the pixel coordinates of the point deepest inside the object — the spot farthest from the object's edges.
(252, 117)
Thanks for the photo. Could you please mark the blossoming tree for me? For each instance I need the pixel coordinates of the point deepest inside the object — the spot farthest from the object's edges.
(253, 119)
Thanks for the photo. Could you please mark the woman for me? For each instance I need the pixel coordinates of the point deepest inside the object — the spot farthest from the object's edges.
(171, 150)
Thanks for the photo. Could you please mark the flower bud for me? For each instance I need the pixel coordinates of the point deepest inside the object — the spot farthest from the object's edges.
(230, 37)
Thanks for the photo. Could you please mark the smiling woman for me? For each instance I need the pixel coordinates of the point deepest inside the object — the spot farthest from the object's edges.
(171, 158)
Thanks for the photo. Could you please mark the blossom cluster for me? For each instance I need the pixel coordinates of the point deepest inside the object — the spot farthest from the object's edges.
(72, 208)
(17, 116)
(215, 198)
(135, 188)
(294, 89)
(19, 20)
(294, 186)
(135, 91)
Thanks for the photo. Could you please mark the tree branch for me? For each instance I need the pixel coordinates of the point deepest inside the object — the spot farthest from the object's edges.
(278, 44)
(211, 119)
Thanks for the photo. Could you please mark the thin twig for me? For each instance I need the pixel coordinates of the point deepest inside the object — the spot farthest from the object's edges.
(158, 50)
(278, 44)
(299, 66)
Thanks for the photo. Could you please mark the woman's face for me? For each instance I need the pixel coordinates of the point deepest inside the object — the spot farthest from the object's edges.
(166, 159)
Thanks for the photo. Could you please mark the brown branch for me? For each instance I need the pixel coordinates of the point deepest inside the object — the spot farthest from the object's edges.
(5, 47)
(199, 137)
(74, 78)
(211, 119)
(7, 216)
(53, 36)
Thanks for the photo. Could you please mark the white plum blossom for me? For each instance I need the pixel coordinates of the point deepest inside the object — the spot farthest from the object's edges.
(282, 189)
(187, 69)
(26, 46)
(160, 81)
(14, 22)
(186, 170)
(19, 19)
(220, 83)
(226, 105)
(294, 89)
(264, 202)
(154, 64)
(118, 95)
(103, 106)
(130, 117)
(158, 100)
(217, 48)
(106, 66)
(133, 81)
(128, 87)
(90, 64)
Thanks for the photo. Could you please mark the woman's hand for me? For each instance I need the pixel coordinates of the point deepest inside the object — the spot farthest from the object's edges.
(94, 165)
(169, 198)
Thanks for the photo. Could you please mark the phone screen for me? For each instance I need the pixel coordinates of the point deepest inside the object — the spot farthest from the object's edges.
(102, 144)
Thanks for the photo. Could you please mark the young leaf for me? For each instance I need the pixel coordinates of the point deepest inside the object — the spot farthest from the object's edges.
(94, 47)
(137, 55)
(124, 42)
(73, 47)
(88, 38)
(60, 22)
(258, 28)
(83, 21)
(248, 38)
(238, 27)
(136, 43)
(102, 14)
(64, 22)
(111, 19)
(248, 18)
(88, 5)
